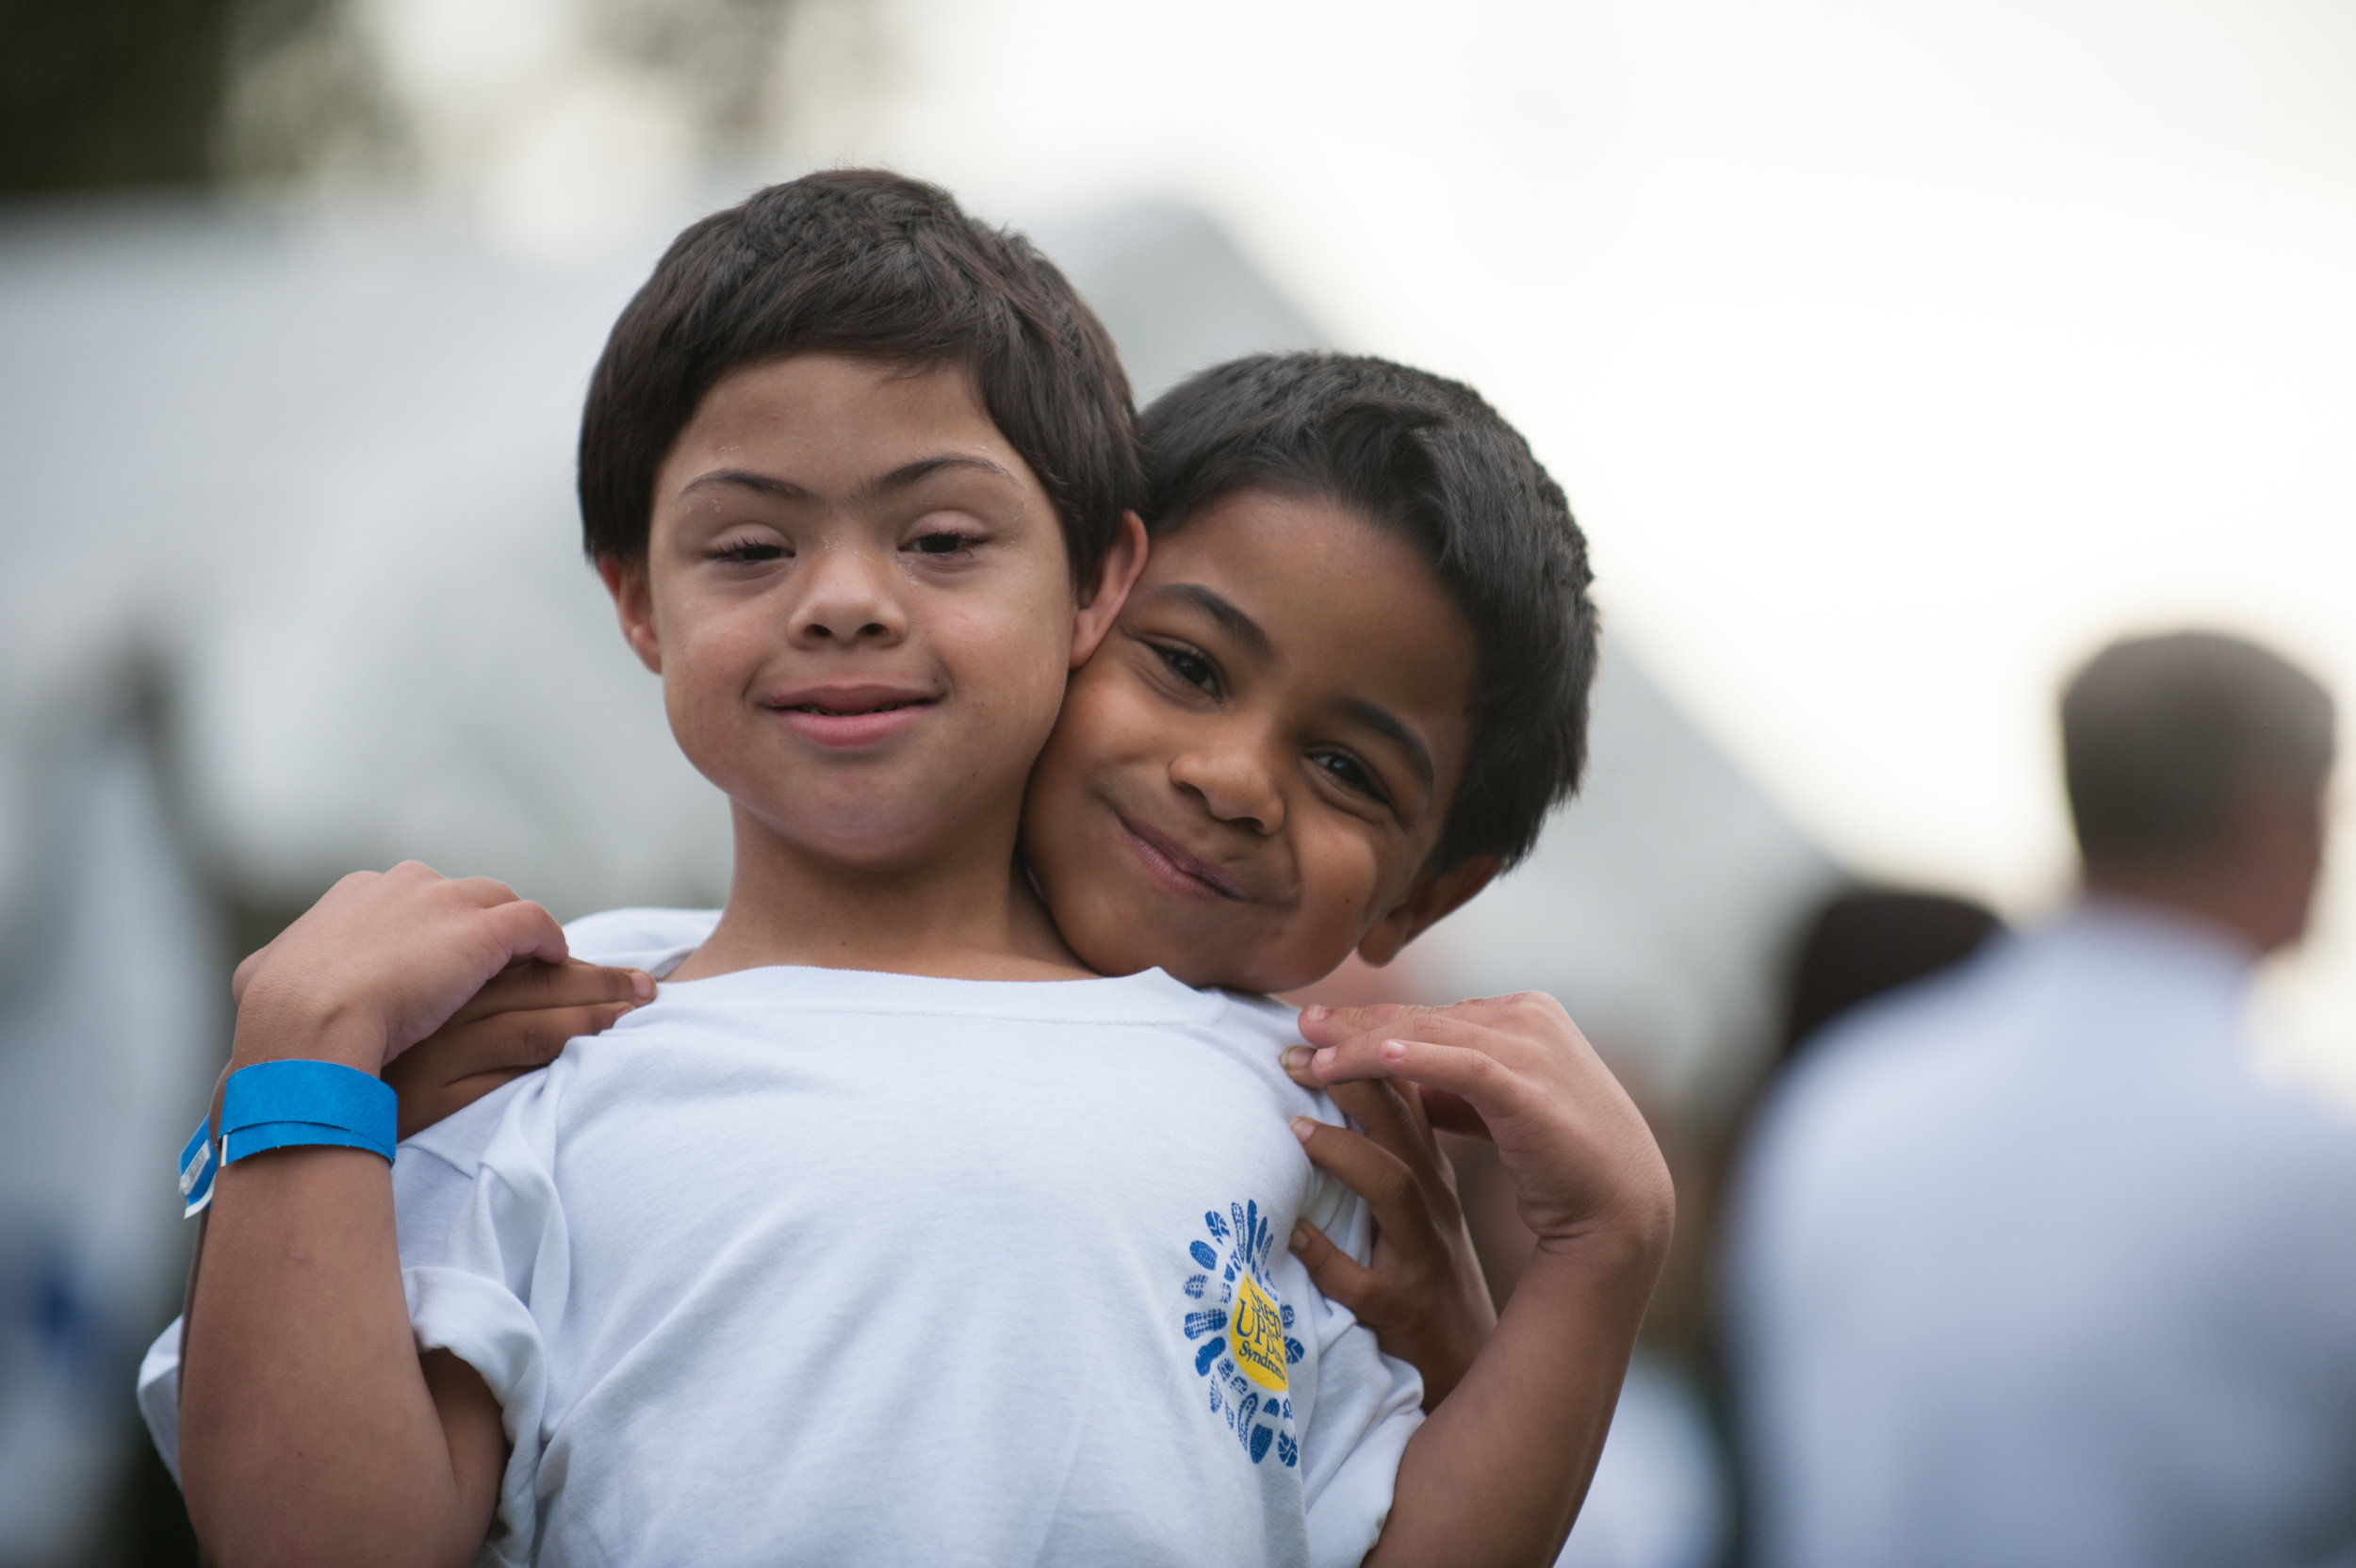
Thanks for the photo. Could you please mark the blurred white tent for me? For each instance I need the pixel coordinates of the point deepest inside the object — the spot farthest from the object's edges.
(111, 1003)
(321, 475)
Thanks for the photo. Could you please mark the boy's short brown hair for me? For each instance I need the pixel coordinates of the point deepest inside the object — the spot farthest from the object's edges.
(861, 261)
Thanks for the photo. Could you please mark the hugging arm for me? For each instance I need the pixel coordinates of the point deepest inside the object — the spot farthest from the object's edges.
(1497, 1473)
(311, 1429)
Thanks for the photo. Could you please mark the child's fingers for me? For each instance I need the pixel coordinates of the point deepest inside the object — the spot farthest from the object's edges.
(1391, 1114)
(1296, 1061)
(509, 1039)
(428, 1103)
(528, 930)
(1388, 1184)
(1453, 1113)
(1323, 1026)
(1361, 1055)
(529, 986)
(1516, 1025)
(1334, 1271)
(1298, 1066)
(1475, 1076)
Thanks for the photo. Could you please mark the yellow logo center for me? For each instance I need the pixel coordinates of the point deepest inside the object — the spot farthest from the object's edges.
(1258, 1330)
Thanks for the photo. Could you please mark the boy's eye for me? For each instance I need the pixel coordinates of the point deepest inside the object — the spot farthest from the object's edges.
(1349, 772)
(941, 544)
(745, 552)
(1189, 666)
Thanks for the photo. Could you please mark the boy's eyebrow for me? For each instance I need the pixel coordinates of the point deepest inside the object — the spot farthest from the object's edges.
(1389, 726)
(1231, 620)
(745, 478)
(925, 468)
(898, 479)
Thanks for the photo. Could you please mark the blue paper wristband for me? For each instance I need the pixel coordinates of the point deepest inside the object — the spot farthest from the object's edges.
(281, 1105)
(197, 1169)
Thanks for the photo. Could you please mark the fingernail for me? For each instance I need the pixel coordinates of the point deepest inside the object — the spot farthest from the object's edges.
(1394, 1051)
(1324, 1058)
(642, 985)
(1303, 1128)
(1296, 1057)
(1300, 1238)
(1315, 1014)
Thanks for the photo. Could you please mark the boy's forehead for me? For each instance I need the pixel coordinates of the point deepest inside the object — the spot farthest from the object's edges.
(838, 422)
(817, 389)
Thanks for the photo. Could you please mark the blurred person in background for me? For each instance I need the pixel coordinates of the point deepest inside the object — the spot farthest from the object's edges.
(2026, 1265)
(1861, 945)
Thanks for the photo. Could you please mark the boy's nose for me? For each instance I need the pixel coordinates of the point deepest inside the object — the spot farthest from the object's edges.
(1235, 786)
(848, 597)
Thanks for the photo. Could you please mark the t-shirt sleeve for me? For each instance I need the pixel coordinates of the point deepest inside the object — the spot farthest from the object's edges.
(484, 1262)
(159, 1395)
(1369, 1404)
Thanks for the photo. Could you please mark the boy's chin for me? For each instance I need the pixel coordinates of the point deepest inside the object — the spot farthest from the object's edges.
(1119, 947)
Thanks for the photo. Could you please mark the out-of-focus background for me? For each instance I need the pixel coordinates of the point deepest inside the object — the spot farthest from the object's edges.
(1893, 357)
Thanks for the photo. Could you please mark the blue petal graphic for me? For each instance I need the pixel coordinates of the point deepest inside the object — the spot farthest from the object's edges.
(1201, 1323)
(1202, 1253)
(1261, 1437)
(1211, 1351)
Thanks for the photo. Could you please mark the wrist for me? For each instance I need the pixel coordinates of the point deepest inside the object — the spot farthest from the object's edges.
(1634, 1234)
(271, 1030)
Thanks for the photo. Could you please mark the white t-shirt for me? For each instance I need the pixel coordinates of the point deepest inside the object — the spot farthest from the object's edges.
(834, 1267)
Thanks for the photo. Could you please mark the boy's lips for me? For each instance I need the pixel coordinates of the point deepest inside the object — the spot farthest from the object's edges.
(848, 718)
(1177, 868)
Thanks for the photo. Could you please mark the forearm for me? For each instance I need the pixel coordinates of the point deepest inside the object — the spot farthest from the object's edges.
(309, 1433)
(1497, 1473)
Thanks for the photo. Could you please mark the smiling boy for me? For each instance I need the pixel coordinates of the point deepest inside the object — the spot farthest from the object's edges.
(648, 1270)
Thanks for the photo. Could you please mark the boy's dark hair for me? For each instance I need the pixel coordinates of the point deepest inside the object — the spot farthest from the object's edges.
(1429, 460)
(864, 262)
(2162, 735)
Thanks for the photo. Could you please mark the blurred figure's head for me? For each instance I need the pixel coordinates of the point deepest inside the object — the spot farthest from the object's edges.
(1869, 940)
(2196, 765)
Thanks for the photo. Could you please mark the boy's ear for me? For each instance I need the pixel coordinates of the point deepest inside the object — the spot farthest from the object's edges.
(1100, 600)
(633, 606)
(1424, 904)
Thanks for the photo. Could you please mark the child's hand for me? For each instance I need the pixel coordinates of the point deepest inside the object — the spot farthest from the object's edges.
(1424, 1296)
(517, 1023)
(1582, 1161)
(380, 962)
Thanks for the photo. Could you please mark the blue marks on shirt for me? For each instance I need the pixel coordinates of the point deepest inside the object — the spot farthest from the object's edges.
(1245, 1355)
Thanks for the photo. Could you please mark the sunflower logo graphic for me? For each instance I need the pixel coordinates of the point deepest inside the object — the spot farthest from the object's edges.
(1247, 1349)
